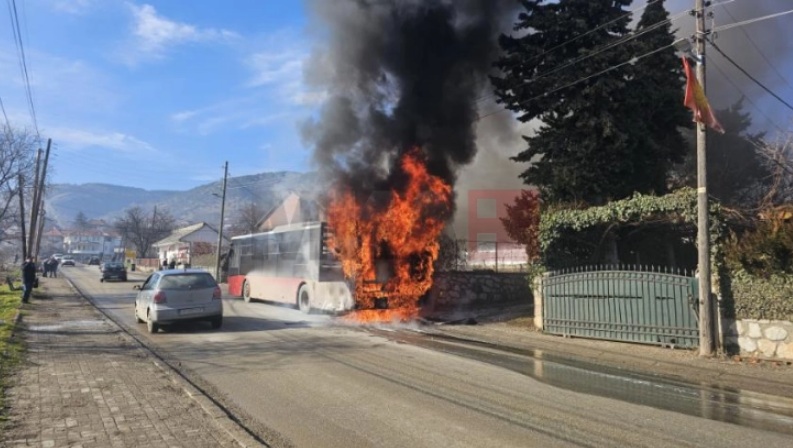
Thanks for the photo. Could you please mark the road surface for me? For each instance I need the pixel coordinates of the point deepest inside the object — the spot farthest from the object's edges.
(310, 381)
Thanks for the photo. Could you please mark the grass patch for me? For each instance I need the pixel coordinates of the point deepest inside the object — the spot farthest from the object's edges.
(10, 349)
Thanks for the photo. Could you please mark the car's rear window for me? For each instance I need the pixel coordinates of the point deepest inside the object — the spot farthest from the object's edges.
(113, 265)
(187, 281)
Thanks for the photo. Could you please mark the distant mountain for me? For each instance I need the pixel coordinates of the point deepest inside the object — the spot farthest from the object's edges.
(103, 201)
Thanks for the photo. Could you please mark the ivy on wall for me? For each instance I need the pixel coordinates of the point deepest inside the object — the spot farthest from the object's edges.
(677, 207)
(761, 298)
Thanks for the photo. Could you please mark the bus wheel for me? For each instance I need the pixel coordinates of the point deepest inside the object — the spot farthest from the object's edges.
(246, 291)
(303, 299)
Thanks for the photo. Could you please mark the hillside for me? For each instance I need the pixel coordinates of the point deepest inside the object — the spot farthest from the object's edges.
(65, 201)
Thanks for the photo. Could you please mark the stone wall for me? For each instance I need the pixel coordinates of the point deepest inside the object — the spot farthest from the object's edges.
(761, 338)
(469, 290)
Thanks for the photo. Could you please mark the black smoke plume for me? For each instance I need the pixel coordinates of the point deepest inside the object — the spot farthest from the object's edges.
(400, 74)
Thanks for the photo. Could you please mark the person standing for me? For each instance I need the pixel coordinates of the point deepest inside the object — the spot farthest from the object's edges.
(28, 278)
(54, 267)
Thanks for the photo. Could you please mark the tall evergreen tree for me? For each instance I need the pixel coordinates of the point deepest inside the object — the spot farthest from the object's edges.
(737, 175)
(597, 139)
(658, 84)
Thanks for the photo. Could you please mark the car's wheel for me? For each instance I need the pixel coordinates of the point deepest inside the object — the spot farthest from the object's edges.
(246, 291)
(303, 299)
(123, 279)
(151, 325)
(137, 319)
(217, 322)
(102, 280)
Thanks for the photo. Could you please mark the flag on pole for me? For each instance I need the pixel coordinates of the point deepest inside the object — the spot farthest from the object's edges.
(697, 102)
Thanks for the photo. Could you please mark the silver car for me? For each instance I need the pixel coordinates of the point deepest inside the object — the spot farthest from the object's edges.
(178, 295)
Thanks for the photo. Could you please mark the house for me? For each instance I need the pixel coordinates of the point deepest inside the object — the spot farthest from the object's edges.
(186, 243)
(292, 210)
(91, 243)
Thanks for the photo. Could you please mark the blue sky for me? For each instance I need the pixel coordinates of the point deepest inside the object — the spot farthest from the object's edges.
(159, 94)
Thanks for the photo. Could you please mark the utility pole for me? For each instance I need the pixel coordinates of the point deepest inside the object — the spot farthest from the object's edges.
(220, 230)
(21, 185)
(33, 204)
(703, 234)
(40, 199)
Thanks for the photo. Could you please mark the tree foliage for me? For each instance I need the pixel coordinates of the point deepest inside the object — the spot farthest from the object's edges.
(602, 135)
(142, 229)
(17, 148)
(522, 222)
(737, 171)
(81, 222)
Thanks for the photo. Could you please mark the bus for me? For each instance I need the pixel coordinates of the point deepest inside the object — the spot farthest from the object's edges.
(290, 264)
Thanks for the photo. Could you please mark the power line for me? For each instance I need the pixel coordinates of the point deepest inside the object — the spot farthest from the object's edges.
(759, 50)
(623, 40)
(731, 61)
(17, 32)
(747, 22)
(613, 67)
(744, 95)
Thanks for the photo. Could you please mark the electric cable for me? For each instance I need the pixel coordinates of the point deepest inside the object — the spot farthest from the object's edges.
(14, 16)
(748, 75)
(613, 67)
(759, 50)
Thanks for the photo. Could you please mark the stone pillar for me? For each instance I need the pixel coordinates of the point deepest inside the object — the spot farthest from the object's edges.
(537, 283)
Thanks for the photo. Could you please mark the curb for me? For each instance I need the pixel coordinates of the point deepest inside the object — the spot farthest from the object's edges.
(219, 415)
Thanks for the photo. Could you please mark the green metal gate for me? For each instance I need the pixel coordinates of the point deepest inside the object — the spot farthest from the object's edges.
(637, 305)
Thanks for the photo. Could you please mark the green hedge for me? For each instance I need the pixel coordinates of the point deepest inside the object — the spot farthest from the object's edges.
(762, 298)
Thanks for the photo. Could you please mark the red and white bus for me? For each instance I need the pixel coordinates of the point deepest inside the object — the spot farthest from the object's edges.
(290, 264)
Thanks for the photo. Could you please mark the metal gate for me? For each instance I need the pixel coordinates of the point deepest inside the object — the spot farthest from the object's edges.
(638, 305)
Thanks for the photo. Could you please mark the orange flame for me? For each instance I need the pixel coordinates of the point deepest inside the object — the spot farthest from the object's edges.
(388, 252)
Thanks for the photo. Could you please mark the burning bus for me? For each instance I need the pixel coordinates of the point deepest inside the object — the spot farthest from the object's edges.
(377, 261)
(290, 264)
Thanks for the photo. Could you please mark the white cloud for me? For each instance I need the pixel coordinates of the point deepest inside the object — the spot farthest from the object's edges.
(77, 139)
(154, 34)
(73, 6)
(282, 73)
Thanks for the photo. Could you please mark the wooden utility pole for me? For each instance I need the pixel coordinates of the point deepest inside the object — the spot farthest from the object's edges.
(703, 228)
(220, 230)
(21, 185)
(33, 204)
(40, 198)
(36, 205)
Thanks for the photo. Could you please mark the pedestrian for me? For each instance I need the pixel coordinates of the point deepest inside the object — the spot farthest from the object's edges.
(28, 278)
(164, 264)
(54, 267)
(173, 264)
(46, 266)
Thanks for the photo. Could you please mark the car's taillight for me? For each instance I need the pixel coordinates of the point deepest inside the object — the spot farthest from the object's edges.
(216, 293)
(159, 297)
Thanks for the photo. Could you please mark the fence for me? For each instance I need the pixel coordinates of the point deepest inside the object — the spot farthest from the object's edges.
(622, 303)
(467, 255)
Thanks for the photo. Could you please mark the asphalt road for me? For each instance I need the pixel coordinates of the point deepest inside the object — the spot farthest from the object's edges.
(308, 381)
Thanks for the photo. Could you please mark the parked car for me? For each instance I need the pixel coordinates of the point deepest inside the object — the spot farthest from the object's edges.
(58, 256)
(114, 271)
(93, 261)
(178, 295)
(67, 260)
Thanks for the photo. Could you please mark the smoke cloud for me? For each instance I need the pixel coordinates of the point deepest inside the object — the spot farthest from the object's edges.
(399, 74)
(764, 49)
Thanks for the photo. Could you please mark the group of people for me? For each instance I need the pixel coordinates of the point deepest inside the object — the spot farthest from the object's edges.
(168, 265)
(51, 267)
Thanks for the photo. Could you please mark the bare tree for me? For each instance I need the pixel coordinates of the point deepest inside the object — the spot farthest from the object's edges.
(17, 149)
(779, 159)
(247, 219)
(142, 229)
